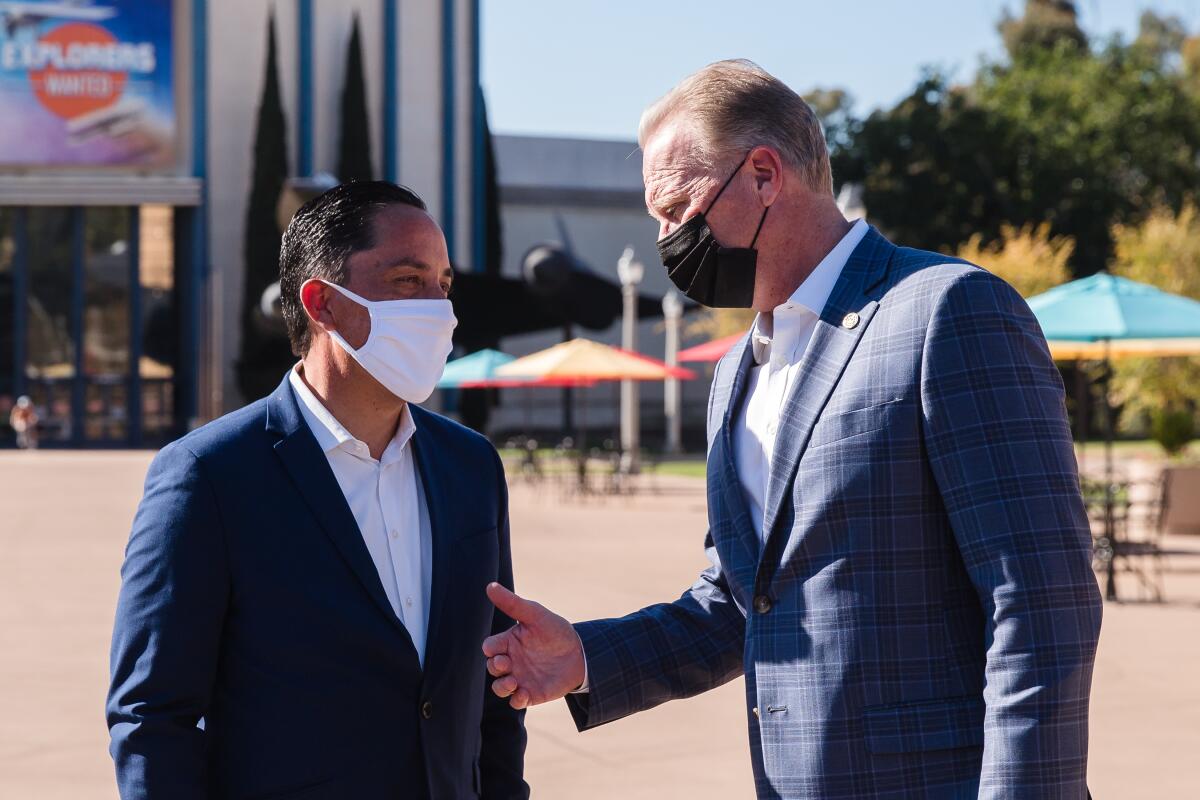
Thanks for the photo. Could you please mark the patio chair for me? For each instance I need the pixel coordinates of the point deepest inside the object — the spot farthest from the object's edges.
(1140, 544)
(1181, 501)
(1141, 556)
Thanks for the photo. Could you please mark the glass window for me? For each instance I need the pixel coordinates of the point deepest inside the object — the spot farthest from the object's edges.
(50, 352)
(106, 342)
(7, 334)
(159, 323)
(107, 265)
(106, 297)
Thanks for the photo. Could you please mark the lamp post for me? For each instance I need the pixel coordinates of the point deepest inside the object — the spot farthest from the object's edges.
(672, 400)
(630, 272)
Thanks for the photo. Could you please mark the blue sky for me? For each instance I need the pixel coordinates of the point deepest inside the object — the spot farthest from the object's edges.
(587, 67)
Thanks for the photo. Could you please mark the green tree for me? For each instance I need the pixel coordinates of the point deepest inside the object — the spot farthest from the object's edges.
(835, 109)
(263, 358)
(931, 171)
(1028, 258)
(1189, 54)
(493, 229)
(716, 323)
(475, 405)
(1099, 139)
(1045, 24)
(1056, 133)
(1163, 251)
(1160, 37)
(354, 139)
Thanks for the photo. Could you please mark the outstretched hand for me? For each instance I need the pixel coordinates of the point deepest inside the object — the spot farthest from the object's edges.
(537, 660)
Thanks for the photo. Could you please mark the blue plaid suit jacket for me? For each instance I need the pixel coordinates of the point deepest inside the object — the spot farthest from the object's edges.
(922, 620)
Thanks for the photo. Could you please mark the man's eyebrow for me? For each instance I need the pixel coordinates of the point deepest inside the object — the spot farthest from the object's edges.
(656, 212)
(661, 201)
(653, 198)
(410, 261)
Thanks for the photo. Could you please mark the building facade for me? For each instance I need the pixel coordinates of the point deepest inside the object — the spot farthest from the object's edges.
(126, 149)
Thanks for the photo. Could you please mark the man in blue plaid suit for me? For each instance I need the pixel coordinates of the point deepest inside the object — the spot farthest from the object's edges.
(900, 558)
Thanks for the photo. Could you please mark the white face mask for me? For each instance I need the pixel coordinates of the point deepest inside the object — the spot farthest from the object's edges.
(409, 343)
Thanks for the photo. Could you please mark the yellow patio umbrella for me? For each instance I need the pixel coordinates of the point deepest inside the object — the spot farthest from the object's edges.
(583, 359)
(1063, 350)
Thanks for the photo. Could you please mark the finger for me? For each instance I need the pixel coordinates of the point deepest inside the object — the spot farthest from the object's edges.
(504, 686)
(499, 665)
(520, 699)
(495, 645)
(518, 608)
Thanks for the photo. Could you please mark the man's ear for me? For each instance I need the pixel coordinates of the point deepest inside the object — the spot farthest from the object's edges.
(315, 296)
(767, 167)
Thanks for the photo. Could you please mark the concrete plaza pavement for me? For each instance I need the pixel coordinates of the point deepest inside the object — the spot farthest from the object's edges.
(64, 518)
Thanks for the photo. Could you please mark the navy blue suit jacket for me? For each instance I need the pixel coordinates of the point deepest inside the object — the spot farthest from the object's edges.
(255, 654)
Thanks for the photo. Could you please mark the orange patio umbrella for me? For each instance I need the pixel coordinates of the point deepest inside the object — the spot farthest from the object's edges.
(585, 360)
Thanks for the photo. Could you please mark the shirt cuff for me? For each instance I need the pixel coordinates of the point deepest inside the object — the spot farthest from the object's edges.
(583, 687)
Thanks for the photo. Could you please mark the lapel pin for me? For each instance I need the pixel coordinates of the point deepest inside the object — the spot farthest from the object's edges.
(850, 321)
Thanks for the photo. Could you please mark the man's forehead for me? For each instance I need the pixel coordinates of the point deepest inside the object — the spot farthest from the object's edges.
(408, 228)
(407, 219)
(404, 234)
(671, 158)
(672, 146)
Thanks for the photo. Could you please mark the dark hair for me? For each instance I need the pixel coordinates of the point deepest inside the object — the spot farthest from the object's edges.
(325, 232)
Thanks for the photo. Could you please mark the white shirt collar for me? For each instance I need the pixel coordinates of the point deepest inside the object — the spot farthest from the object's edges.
(810, 296)
(332, 435)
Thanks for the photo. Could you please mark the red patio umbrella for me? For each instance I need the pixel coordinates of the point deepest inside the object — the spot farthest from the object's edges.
(710, 352)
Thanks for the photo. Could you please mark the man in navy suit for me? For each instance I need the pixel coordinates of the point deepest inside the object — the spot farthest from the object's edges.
(302, 597)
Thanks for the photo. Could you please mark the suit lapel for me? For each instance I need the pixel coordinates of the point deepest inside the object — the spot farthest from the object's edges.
(735, 391)
(833, 343)
(438, 506)
(310, 471)
(739, 553)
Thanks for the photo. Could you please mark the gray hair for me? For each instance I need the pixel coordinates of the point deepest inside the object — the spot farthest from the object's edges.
(735, 106)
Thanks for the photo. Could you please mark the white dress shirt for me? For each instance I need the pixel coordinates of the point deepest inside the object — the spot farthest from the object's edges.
(779, 340)
(386, 499)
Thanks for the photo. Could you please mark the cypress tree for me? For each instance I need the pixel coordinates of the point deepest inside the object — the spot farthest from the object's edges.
(263, 357)
(493, 243)
(475, 405)
(354, 142)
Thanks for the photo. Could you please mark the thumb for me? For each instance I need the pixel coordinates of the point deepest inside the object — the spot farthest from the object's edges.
(514, 606)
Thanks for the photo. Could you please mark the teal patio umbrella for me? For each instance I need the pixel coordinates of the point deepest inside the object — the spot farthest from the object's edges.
(1105, 307)
(1102, 309)
(475, 368)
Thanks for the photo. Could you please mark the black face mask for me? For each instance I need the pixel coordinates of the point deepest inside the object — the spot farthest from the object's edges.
(712, 275)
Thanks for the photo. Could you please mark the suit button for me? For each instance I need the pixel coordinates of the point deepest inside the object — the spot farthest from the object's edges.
(427, 710)
(762, 604)
(755, 710)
